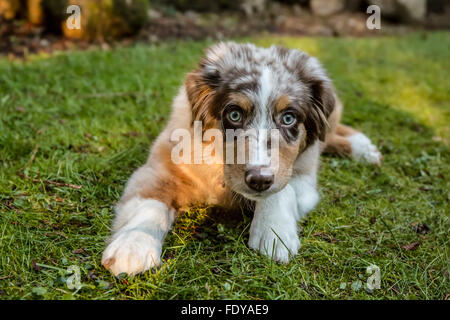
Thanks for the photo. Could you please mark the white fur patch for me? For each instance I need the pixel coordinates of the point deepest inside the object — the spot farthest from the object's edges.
(266, 86)
(273, 231)
(306, 194)
(132, 252)
(363, 150)
(141, 226)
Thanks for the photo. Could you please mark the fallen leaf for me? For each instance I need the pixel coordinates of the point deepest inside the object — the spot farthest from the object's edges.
(216, 270)
(325, 237)
(420, 228)
(411, 247)
(35, 266)
(78, 251)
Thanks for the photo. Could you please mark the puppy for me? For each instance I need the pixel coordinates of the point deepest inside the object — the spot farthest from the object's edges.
(237, 86)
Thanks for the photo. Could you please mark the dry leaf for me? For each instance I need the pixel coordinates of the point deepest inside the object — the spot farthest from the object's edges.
(411, 247)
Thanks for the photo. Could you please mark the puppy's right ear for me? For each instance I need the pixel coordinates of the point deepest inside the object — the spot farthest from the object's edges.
(202, 85)
(201, 97)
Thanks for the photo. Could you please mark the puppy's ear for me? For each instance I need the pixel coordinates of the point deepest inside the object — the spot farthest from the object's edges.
(202, 85)
(321, 100)
(201, 97)
(322, 105)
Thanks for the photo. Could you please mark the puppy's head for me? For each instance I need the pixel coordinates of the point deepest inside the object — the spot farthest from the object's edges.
(240, 86)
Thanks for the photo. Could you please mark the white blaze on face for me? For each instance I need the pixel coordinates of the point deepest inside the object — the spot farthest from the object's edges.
(258, 152)
(266, 84)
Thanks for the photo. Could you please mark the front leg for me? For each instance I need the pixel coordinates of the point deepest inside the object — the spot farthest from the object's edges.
(274, 231)
(139, 231)
(305, 193)
(274, 227)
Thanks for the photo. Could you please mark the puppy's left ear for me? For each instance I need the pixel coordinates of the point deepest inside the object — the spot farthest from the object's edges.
(322, 99)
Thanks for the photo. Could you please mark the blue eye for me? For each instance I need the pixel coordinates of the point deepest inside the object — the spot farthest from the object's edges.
(235, 115)
(288, 119)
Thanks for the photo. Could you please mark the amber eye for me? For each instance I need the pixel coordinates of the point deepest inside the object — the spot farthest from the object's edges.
(235, 115)
(288, 119)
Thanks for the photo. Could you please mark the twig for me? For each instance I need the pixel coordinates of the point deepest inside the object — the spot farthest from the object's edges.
(33, 155)
(9, 206)
(50, 182)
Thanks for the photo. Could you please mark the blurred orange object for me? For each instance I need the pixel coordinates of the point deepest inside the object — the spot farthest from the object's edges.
(35, 12)
(72, 33)
(9, 8)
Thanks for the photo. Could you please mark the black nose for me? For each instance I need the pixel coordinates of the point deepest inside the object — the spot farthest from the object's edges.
(258, 181)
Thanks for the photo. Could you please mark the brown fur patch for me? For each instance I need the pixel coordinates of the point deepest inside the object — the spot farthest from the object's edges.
(282, 103)
(302, 144)
(345, 131)
(338, 144)
(288, 154)
(241, 100)
(182, 185)
(200, 96)
(108, 262)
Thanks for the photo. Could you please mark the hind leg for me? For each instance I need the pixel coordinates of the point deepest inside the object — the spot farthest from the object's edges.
(347, 141)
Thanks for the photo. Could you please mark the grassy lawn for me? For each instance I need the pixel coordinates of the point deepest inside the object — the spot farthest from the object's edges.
(88, 119)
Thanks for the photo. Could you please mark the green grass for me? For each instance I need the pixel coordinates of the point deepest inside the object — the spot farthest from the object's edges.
(88, 118)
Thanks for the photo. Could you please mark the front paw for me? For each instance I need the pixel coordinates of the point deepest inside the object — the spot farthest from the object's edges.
(280, 247)
(132, 252)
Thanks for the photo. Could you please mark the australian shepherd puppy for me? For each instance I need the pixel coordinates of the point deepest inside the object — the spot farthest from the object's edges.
(237, 87)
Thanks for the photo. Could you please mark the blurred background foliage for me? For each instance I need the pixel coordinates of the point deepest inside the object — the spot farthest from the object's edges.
(40, 26)
(117, 18)
(100, 18)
